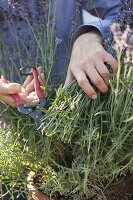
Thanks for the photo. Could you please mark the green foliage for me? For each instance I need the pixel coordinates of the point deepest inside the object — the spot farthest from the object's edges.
(87, 144)
(98, 135)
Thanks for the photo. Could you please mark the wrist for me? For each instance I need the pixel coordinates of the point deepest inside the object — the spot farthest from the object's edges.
(93, 36)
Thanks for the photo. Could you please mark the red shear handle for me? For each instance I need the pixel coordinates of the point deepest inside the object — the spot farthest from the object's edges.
(15, 96)
(38, 90)
(18, 99)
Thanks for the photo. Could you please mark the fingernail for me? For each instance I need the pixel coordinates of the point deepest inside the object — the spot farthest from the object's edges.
(94, 96)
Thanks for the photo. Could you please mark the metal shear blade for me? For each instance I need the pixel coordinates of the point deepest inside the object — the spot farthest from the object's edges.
(37, 116)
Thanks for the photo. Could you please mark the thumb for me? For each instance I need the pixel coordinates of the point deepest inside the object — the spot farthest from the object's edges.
(9, 88)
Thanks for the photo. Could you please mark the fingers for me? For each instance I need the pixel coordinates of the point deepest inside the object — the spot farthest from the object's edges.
(84, 84)
(30, 77)
(87, 64)
(30, 94)
(30, 87)
(69, 78)
(96, 79)
(29, 82)
(103, 71)
(42, 79)
(96, 72)
(8, 99)
(27, 96)
(40, 70)
(41, 76)
(6, 89)
(9, 88)
(30, 98)
(109, 59)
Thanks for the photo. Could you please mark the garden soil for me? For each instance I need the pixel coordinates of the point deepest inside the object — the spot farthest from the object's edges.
(123, 190)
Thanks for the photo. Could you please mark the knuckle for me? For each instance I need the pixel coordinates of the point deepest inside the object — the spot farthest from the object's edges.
(98, 82)
(89, 60)
(92, 58)
(106, 58)
(81, 82)
(73, 67)
(81, 64)
(99, 53)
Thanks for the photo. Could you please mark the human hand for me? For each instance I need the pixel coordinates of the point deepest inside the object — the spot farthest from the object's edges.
(87, 64)
(26, 91)
(7, 89)
(29, 82)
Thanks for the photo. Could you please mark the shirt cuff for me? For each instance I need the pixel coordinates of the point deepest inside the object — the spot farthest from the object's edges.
(101, 26)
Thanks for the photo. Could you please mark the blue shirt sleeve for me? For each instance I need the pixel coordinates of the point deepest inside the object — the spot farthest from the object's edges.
(107, 11)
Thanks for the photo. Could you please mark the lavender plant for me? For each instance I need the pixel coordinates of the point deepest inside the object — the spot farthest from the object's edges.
(97, 134)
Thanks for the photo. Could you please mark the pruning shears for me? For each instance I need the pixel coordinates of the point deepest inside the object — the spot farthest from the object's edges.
(34, 112)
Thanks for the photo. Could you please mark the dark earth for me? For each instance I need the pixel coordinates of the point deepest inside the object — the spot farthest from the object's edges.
(122, 190)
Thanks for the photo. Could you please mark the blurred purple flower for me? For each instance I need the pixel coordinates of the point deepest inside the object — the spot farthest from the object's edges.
(124, 40)
(58, 41)
(117, 35)
(12, 3)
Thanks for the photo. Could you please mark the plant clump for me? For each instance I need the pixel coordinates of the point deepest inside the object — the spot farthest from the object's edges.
(97, 134)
